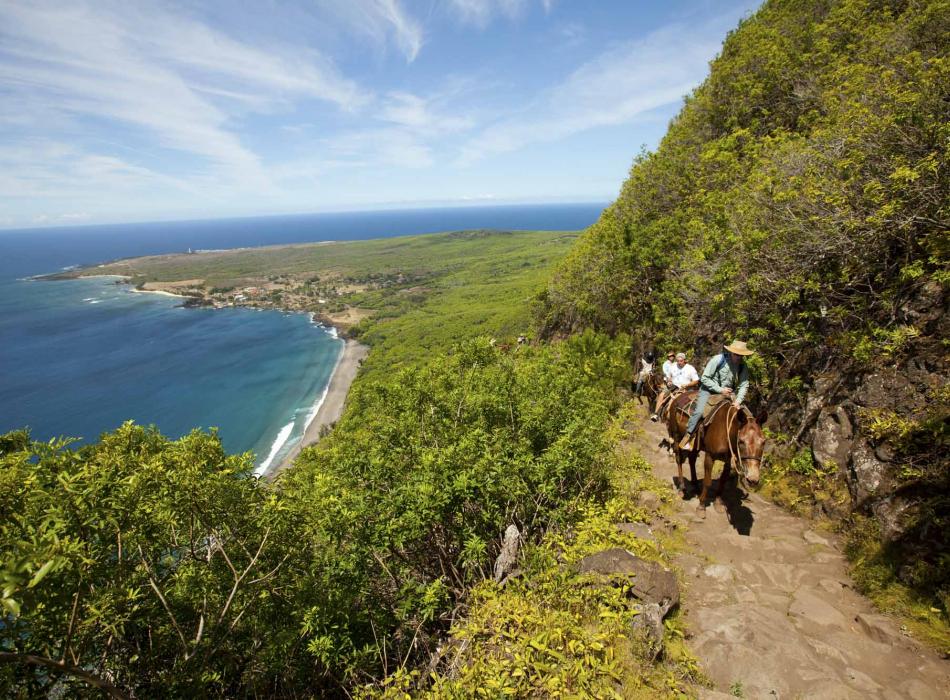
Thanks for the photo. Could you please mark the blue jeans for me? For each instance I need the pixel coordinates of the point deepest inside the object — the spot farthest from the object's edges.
(697, 416)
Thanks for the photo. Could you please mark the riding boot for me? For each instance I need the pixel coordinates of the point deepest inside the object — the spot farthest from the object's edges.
(687, 442)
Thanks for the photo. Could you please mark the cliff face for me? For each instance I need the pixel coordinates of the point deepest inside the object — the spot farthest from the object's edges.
(800, 201)
(883, 433)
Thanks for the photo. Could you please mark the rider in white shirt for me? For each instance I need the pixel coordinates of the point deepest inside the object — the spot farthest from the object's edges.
(682, 376)
(669, 366)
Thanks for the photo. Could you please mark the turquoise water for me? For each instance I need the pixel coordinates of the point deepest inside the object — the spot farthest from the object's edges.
(79, 357)
(90, 354)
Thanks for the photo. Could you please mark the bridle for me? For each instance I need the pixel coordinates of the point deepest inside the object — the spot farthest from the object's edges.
(735, 454)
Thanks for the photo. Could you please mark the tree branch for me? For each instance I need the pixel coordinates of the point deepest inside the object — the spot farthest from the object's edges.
(158, 592)
(7, 657)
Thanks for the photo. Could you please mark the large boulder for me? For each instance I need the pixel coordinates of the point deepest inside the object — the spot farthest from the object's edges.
(833, 437)
(891, 514)
(653, 585)
(649, 582)
(867, 475)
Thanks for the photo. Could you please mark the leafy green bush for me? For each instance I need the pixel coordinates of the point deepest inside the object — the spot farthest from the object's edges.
(405, 503)
(552, 632)
(152, 566)
(145, 563)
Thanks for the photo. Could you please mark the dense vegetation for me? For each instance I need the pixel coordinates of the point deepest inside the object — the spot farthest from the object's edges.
(156, 567)
(801, 200)
(800, 197)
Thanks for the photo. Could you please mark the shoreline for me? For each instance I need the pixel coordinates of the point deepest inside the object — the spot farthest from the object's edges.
(327, 408)
(160, 292)
(330, 405)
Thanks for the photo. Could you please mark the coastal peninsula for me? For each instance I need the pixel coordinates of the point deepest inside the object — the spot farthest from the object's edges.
(384, 292)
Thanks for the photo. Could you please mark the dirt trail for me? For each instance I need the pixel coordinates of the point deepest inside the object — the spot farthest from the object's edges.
(773, 614)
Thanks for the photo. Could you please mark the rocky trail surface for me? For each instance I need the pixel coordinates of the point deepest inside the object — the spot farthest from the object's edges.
(771, 610)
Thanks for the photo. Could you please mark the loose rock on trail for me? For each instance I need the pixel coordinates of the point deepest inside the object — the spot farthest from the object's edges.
(772, 613)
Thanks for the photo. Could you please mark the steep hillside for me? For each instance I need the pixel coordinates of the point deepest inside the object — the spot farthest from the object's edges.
(800, 201)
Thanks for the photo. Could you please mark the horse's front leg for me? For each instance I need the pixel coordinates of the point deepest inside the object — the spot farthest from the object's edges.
(707, 481)
(694, 482)
(719, 504)
(678, 457)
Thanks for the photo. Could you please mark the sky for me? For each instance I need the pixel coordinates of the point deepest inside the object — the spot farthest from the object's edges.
(141, 111)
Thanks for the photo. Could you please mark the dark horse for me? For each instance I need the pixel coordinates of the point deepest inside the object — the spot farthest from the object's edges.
(733, 434)
(651, 388)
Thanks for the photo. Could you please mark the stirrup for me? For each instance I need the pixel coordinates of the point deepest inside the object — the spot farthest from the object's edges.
(655, 418)
(687, 442)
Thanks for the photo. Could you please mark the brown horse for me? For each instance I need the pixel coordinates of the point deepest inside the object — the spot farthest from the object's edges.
(733, 434)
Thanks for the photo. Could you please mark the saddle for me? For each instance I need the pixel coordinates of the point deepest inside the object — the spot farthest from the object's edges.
(715, 402)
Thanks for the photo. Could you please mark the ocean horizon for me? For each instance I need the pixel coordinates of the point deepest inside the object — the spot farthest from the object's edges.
(80, 357)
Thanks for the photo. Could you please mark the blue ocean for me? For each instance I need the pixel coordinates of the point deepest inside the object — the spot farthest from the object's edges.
(79, 357)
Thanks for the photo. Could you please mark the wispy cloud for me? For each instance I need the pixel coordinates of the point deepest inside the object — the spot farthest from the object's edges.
(69, 185)
(171, 76)
(380, 20)
(430, 116)
(389, 146)
(617, 86)
(481, 12)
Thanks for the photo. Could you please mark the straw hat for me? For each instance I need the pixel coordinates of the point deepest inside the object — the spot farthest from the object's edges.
(739, 348)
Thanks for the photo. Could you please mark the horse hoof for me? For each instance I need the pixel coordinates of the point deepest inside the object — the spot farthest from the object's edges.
(719, 505)
(701, 510)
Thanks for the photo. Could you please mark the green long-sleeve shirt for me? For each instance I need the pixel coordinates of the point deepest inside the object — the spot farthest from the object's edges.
(718, 375)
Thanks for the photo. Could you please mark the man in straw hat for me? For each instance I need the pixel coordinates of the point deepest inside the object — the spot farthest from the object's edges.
(725, 374)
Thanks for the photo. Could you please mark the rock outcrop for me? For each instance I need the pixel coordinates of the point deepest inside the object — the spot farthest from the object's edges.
(654, 586)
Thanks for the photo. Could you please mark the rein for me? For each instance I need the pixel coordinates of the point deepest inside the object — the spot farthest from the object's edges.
(735, 454)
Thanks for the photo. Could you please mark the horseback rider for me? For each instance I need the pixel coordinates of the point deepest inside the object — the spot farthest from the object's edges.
(725, 374)
(646, 369)
(669, 366)
(682, 377)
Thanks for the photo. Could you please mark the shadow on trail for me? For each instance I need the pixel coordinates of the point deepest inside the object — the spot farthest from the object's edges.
(740, 516)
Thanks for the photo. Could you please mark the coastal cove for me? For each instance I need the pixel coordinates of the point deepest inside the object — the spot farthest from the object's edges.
(89, 354)
(102, 355)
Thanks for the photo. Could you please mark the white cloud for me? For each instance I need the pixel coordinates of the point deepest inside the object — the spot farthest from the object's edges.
(170, 76)
(481, 12)
(615, 87)
(52, 170)
(392, 146)
(381, 21)
(428, 116)
(65, 218)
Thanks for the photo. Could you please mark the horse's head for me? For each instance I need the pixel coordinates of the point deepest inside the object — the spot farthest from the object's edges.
(751, 443)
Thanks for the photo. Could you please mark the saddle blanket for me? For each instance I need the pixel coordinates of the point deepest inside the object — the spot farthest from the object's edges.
(715, 402)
